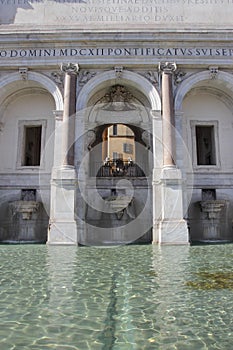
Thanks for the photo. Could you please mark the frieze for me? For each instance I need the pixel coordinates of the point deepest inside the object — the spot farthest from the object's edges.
(100, 52)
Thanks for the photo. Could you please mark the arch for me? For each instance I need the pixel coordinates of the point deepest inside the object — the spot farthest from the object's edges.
(222, 80)
(43, 81)
(109, 78)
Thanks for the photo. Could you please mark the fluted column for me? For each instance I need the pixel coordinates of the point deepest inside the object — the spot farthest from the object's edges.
(71, 71)
(167, 70)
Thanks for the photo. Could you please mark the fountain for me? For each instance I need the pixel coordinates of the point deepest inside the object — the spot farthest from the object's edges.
(25, 208)
(25, 220)
(120, 205)
(212, 214)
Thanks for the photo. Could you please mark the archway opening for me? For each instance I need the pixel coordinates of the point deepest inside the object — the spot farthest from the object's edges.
(118, 143)
(119, 150)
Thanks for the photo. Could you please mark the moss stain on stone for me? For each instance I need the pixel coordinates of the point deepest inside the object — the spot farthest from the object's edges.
(212, 280)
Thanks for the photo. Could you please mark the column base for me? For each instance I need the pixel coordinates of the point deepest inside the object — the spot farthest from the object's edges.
(171, 232)
(62, 233)
(63, 227)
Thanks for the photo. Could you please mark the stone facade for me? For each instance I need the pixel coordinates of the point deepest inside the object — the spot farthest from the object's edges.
(164, 70)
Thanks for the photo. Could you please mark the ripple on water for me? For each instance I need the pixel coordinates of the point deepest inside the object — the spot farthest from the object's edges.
(131, 297)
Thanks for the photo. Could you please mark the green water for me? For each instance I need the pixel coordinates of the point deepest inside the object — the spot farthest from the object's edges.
(121, 298)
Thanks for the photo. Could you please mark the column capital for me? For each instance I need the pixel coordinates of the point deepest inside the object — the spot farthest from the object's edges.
(167, 67)
(70, 68)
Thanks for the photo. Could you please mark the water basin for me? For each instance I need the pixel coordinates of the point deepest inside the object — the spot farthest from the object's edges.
(119, 298)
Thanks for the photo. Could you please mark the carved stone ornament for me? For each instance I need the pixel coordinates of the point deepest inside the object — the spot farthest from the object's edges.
(25, 208)
(118, 99)
(213, 72)
(23, 73)
(179, 77)
(118, 72)
(90, 139)
(146, 138)
(58, 77)
(152, 77)
(70, 68)
(85, 76)
(167, 67)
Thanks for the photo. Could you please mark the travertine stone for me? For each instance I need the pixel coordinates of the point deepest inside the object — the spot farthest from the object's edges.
(118, 14)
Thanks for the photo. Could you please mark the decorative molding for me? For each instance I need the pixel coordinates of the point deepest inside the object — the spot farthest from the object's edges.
(198, 78)
(118, 71)
(44, 81)
(70, 68)
(213, 72)
(167, 67)
(156, 114)
(152, 76)
(58, 115)
(85, 76)
(23, 71)
(138, 82)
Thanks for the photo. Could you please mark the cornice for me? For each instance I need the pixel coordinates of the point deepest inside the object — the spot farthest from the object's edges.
(48, 35)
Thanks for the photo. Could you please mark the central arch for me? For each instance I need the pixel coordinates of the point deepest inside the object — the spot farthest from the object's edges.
(104, 101)
(127, 78)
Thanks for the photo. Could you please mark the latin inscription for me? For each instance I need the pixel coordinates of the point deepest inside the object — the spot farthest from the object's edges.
(117, 51)
(128, 12)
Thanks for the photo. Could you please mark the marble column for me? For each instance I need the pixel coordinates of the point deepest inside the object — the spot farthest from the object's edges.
(63, 226)
(70, 71)
(168, 70)
(169, 226)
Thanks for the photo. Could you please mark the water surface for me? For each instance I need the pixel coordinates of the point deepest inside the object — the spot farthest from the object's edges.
(119, 298)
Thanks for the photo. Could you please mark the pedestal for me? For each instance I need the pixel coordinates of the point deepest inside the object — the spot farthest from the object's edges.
(170, 227)
(62, 227)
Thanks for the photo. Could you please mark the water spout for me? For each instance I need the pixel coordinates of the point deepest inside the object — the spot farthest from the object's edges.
(212, 213)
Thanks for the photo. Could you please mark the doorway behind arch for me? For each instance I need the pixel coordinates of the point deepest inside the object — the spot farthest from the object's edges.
(118, 209)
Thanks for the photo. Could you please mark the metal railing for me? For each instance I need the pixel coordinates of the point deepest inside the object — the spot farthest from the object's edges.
(118, 168)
